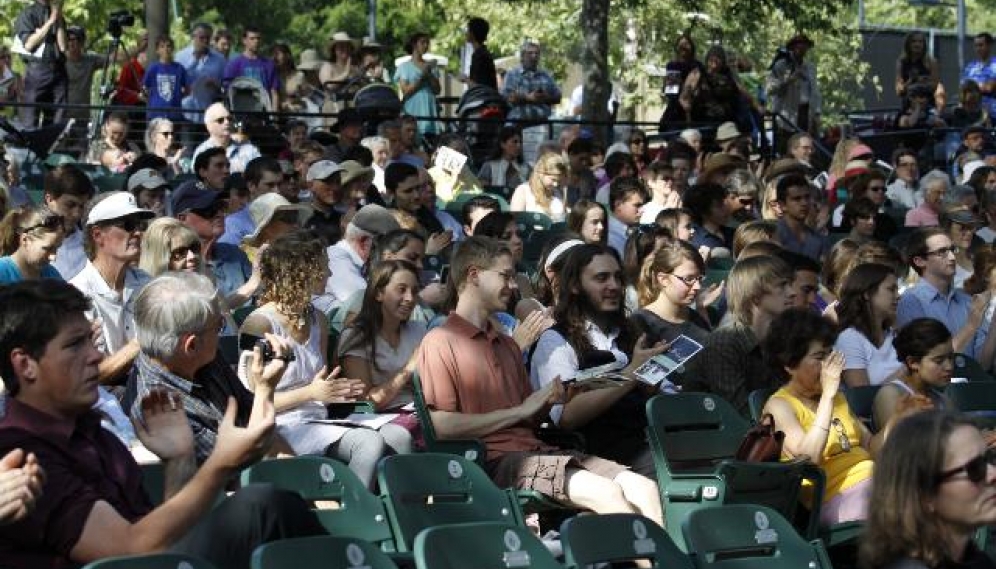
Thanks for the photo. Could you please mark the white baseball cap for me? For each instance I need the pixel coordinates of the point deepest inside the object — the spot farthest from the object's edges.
(115, 206)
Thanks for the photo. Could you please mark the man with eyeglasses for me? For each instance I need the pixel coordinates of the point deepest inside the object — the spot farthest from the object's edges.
(112, 240)
(903, 191)
(476, 387)
(933, 256)
(218, 121)
(203, 211)
(530, 90)
(205, 70)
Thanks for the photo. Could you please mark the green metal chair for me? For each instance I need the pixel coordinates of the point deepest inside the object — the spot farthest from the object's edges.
(861, 400)
(694, 438)
(756, 401)
(970, 369)
(715, 276)
(977, 398)
(151, 561)
(613, 538)
(741, 536)
(361, 515)
(320, 552)
(483, 545)
(112, 183)
(470, 449)
(721, 263)
(424, 490)
(530, 222)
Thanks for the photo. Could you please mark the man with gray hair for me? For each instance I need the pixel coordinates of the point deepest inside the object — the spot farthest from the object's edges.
(530, 90)
(179, 319)
(347, 257)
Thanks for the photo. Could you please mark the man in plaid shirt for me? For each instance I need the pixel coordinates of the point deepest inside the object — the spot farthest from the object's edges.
(528, 89)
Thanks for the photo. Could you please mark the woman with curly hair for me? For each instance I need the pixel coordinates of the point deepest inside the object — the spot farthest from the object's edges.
(293, 269)
(545, 192)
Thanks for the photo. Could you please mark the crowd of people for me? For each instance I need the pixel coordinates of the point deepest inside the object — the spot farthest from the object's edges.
(330, 263)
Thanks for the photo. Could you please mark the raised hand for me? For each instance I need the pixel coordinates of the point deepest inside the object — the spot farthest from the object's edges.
(21, 481)
(530, 329)
(268, 374)
(437, 242)
(830, 372)
(238, 446)
(163, 427)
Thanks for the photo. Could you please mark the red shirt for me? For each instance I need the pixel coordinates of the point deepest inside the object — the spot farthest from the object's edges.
(83, 463)
(130, 84)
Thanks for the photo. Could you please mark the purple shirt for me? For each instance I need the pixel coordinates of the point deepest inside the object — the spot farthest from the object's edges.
(84, 463)
(261, 69)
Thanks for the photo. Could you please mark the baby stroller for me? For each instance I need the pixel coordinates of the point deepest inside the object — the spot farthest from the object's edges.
(249, 102)
(376, 103)
(481, 112)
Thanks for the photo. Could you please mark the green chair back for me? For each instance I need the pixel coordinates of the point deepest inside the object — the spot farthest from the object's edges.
(977, 398)
(424, 490)
(532, 221)
(743, 536)
(721, 263)
(320, 552)
(615, 538)
(756, 401)
(151, 561)
(483, 545)
(361, 515)
(695, 431)
(470, 449)
(715, 276)
(861, 400)
(970, 369)
(112, 183)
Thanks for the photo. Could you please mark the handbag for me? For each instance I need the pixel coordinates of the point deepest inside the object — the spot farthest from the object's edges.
(762, 443)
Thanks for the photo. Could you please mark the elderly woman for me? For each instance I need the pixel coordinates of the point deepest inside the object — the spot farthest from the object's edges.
(934, 187)
(934, 487)
(294, 268)
(814, 415)
(162, 139)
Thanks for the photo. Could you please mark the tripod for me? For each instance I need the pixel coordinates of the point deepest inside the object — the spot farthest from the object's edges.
(106, 89)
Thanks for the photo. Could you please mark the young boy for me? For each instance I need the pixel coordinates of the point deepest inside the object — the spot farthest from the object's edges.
(165, 83)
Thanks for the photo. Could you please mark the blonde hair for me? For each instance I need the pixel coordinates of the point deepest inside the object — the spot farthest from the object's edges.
(749, 280)
(664, 260)
(841, 156)
(547, 164)
(770, 194)
(158, 241)
(752, 232)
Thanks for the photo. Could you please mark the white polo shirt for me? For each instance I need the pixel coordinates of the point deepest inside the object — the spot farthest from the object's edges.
(116, 311)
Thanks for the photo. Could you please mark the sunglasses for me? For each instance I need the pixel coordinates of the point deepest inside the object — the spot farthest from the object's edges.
(182, 252)
(845, 443)
(975, 470)
(129, 224)
(51, 222)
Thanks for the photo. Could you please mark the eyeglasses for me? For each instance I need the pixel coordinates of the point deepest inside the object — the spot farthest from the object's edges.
(845, 443)
(167, 133)
(689, 280)
(943, 251)
(975, 470)
(129, 224)
(51, 222)
(224, 119)
(181, 253)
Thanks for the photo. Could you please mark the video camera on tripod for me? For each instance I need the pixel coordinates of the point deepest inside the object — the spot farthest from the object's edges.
(118, 21)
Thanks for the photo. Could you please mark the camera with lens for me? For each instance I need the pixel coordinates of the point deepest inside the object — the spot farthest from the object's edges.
(118, 21)
(249, 341)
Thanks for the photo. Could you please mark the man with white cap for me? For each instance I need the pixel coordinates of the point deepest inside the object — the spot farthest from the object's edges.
(203, 211)
(218, 121)
(149, 188)
(112, 240)
(325, 181)
(347, 257)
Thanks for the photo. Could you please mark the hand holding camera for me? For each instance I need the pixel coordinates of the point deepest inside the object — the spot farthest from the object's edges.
(270, 357)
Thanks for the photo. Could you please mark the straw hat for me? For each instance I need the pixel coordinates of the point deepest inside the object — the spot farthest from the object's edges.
(343, 37)
(310, 60)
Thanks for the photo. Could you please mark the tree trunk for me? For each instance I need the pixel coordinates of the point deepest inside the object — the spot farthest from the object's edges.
(157, 23)
(595, 63)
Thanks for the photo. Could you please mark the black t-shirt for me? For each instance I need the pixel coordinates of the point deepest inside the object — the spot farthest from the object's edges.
(482, 68)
